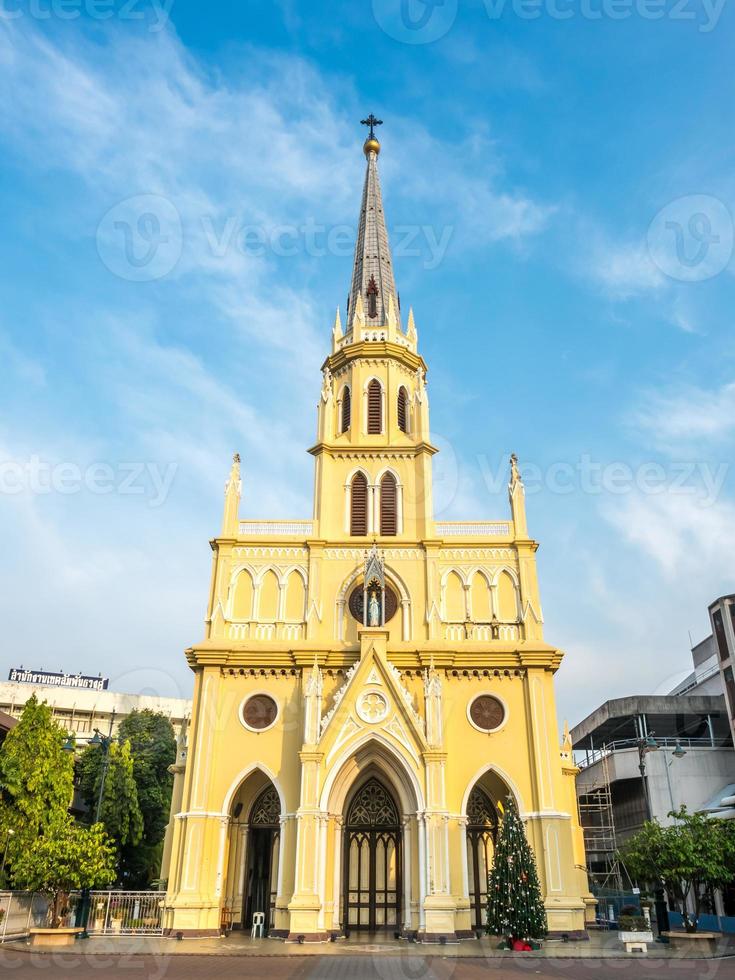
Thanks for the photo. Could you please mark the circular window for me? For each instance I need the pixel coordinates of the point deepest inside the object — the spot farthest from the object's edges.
(259, 712)
(487, 713)
(357, 601)
(372, 707)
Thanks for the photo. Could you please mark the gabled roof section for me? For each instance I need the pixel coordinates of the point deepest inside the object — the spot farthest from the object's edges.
(373, 678)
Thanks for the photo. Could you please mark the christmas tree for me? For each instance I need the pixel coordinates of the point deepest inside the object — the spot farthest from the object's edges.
(515, 909)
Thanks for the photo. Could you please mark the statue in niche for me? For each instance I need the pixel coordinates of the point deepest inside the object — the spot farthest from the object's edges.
(373, 610)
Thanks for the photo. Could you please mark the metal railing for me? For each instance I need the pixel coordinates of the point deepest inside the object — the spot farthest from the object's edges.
(22, 911)
(698, 679)
(117, 913)
(472, 529)
(589, 757)
(291, 528)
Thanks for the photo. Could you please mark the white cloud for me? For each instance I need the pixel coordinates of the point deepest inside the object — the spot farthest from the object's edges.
(623, 269)
(678, 417)
(684, 538)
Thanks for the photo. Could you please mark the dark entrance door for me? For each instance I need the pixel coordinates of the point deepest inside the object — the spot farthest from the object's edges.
(482, 829)
(261, 875)
(372, 861)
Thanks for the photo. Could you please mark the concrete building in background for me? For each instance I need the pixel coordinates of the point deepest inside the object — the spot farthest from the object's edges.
(722, 618)
(81, 710)
(646, 755)
(6, 723)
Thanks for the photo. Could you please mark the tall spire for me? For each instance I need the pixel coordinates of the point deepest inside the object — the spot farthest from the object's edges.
(372, 273)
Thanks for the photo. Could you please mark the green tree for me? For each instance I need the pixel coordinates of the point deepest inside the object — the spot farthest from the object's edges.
(153, 749)
(66, 857)
(515, 909)
(691, 855)
(36, 778)
(120, 812)
(153, 746)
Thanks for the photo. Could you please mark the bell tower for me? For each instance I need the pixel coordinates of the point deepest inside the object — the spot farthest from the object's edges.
(373, 452)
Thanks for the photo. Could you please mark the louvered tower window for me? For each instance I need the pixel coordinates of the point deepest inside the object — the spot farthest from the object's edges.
(402, 409)
(346, 410)
(375, 408)
(388, 505)
(358, 505)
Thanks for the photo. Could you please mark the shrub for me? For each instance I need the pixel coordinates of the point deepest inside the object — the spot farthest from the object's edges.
(633, 923)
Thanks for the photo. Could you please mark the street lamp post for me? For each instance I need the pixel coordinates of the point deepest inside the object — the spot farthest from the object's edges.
(646, 745)
(104, 742)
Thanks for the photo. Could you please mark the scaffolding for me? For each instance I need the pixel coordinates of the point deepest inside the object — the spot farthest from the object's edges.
(598, 826)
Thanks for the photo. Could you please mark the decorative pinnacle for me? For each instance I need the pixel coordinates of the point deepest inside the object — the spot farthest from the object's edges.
(372, 122)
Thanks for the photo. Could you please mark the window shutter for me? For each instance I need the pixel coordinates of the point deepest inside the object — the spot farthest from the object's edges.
(346, 410)
(375, 408)
(402, 409)
(388, 505)
(358, 508)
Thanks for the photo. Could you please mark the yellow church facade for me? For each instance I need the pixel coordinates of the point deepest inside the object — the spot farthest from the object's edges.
(373, 683)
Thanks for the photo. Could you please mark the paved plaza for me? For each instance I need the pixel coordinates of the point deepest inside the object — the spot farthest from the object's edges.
(152, 958)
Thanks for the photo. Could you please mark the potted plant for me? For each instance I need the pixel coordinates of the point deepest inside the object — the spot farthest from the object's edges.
(634, 929)
(68, 857)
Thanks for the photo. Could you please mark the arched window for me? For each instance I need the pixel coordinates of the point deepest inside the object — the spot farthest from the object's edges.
(269, 595)
(402, 409)
(358, 505)
(346, 410)
(507, 602)
(375, 407)
(388, 505)
(242, 601)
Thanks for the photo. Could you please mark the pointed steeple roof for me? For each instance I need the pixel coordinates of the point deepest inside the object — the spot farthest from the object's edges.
(372, 273)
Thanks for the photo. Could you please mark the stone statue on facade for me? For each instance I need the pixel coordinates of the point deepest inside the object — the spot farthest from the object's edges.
(373, 610)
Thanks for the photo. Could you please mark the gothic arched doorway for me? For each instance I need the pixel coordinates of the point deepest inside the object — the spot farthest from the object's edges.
(261, 874)
(482, 830)
(372, 861)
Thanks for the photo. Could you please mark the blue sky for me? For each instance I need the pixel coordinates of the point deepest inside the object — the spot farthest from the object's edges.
(178, 185)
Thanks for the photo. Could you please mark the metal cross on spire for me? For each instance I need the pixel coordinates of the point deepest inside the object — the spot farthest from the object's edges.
(372, 122)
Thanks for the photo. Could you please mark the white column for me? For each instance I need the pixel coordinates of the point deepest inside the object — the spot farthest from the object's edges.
(399, 508)
(322, 859)
(421, 819)
(406, 619)
(337, 883)
(281, 845)
(281, 601)
(224, 821)
(407, 873)
(462, 821)
(373, 509)
(339, 631)
(240, 880)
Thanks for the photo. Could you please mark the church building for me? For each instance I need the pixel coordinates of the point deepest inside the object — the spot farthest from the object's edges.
(373, 683)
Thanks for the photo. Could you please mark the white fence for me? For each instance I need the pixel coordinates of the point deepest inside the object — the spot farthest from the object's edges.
(23, 911)
(114, 913)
